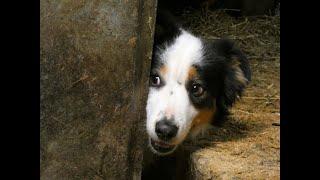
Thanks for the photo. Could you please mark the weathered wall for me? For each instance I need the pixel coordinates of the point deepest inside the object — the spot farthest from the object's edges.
(95, 59)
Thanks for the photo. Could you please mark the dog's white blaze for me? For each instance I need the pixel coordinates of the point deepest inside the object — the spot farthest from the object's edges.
(172, 100)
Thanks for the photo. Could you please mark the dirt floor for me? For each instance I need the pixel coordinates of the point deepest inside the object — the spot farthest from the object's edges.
(248, 145)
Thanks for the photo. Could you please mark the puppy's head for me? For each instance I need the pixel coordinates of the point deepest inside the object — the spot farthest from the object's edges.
(188, 76)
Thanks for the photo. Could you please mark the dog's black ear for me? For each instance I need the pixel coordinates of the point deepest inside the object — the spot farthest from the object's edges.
(232, 74)
(167, 27)
(237, 73)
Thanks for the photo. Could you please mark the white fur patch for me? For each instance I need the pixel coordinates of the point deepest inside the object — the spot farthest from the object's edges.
(172, 99)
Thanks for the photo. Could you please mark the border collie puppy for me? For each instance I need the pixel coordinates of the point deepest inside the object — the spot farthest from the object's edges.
(193, 82)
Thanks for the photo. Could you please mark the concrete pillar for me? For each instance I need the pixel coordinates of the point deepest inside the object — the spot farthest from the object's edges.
(95, 58)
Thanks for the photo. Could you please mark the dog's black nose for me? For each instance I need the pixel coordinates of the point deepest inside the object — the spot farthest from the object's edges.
(166, 130)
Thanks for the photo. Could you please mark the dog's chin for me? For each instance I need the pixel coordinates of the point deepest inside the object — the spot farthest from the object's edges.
(161, 148)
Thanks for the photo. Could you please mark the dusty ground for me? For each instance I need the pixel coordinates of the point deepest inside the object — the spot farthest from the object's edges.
(248, 145)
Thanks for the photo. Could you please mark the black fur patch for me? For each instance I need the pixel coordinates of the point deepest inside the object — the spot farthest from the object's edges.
(167, 28)
(222, 60)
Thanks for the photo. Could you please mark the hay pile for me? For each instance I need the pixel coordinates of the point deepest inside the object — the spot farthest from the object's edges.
(258, 36)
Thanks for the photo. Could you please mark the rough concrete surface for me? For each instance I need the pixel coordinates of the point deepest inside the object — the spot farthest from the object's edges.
(94, 67)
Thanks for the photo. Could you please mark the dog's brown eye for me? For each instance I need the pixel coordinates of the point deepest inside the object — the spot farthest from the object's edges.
(155, 80)
(197, 90)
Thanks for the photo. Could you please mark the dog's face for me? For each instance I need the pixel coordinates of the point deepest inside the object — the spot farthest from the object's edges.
(176, 88)
(188, 75)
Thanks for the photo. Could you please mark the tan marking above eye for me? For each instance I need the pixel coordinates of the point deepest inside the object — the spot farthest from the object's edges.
(163, 70)
(192, 73)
